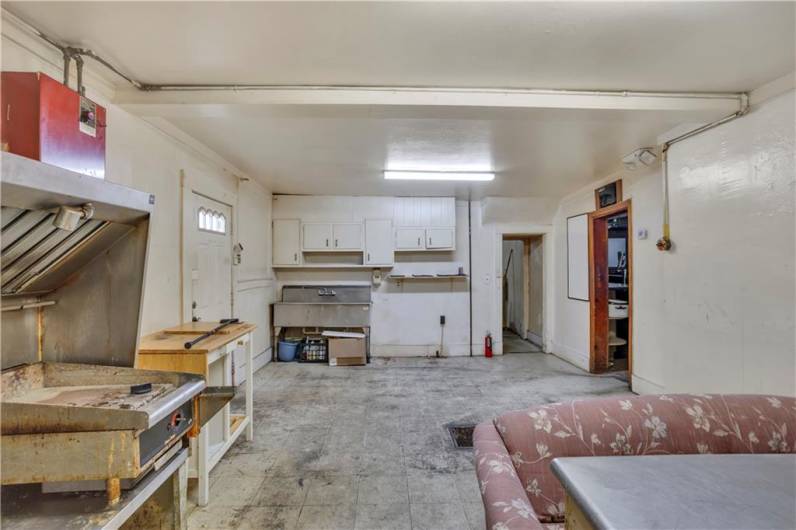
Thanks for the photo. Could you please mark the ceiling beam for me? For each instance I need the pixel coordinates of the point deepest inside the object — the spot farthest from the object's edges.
(402, 96)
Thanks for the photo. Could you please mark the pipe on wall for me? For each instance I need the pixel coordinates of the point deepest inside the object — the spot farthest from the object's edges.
(665, 243)
(470, 265)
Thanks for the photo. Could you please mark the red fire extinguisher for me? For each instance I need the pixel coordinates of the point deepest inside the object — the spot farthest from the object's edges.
(488, 345)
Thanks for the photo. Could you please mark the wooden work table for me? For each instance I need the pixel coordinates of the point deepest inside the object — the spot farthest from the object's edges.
(211, 358)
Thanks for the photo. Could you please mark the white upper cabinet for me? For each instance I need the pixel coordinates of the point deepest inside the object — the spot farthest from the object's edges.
(347, 236)
(410, 239)
(286, 237)
(440, 238)
(378, 242)
(316, 236)
(359, 231)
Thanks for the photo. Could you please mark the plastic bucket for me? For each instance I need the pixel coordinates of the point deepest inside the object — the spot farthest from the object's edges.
(288, 350)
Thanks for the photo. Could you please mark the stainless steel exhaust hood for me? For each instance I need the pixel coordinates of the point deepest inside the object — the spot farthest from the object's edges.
(74, 248)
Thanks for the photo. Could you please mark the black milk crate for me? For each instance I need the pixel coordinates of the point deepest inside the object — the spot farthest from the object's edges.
(315, 351)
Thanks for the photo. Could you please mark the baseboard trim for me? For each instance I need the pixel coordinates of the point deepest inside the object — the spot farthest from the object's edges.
(639, 385)
(571, 356)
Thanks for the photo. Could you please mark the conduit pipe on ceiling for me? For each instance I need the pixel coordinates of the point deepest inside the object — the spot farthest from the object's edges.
(665, 242)
(150, 87)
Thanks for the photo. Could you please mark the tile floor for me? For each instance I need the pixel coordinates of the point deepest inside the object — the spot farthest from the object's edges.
(366, 448)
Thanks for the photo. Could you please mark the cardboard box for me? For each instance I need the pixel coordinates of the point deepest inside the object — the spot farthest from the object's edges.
(344, 351)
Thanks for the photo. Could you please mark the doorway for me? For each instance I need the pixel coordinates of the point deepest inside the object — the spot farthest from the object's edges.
(523, 293)
(611, 290)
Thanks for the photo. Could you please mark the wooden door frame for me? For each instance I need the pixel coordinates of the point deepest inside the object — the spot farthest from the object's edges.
(598, 313)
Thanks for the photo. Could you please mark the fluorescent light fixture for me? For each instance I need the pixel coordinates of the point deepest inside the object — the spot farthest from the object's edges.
(469, 176)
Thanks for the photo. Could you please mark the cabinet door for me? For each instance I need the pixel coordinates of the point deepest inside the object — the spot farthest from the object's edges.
(439, 238)
(378, 243)
(316, 236)
(286, 238)
(410, 239)
(347, 236)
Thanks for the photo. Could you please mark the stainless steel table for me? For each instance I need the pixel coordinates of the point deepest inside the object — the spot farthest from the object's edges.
(680, 491)
(158, 501)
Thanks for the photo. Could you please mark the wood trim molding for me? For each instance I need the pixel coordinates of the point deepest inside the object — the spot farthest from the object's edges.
(598, 342)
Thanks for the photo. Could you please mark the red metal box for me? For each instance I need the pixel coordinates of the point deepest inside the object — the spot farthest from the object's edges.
(47, 121)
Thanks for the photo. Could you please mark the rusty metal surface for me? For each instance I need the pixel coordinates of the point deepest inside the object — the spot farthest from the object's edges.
(58, 397)
(27, 508)
(212, 400)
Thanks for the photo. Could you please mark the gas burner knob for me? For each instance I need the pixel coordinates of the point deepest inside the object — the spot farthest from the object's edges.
(176, 419)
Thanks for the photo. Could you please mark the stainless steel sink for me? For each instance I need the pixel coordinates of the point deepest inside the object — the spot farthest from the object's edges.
(336, 306)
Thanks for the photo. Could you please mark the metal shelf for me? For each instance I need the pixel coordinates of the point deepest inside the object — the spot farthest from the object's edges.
(398, 278)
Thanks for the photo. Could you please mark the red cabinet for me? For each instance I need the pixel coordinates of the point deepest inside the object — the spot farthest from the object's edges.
(47, 121)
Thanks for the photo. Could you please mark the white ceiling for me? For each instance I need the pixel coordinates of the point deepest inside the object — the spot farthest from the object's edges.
(705, 46)
(342, 149)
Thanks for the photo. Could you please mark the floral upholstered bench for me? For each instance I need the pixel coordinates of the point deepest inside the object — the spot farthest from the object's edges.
(513, 452)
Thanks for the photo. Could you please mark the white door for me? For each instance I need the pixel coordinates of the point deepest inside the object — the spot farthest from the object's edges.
(316, 236)
(378, 244)
(439, 238)
(287, 242)
(409, 238)
(209, 258)
(347, 236)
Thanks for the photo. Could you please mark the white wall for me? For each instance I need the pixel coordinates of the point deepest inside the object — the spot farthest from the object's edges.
(142, 156)
(717, 312)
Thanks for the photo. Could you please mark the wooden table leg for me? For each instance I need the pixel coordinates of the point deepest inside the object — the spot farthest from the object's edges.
(574, 518)
(250, 387)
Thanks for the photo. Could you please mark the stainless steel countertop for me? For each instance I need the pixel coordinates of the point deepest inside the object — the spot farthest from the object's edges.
(683, 491)
(25, 507)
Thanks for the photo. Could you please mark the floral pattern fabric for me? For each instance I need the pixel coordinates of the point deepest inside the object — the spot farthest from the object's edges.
(637, 425)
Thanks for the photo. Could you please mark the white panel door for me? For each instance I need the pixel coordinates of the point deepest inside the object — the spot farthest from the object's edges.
(287, 242)
(410, 239)
(316, 236)
(439, 238)
(378, 243)
(347, 236)
(210, 259)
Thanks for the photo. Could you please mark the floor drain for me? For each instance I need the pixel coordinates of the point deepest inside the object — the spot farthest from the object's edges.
(462, 434)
